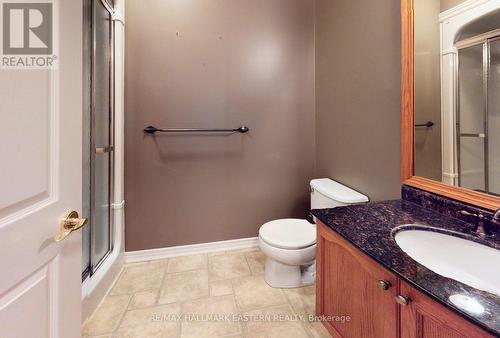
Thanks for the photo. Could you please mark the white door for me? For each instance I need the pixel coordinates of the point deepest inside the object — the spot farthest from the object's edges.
(40, 180)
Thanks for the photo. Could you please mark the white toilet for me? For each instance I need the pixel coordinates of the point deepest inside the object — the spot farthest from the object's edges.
(290, 244)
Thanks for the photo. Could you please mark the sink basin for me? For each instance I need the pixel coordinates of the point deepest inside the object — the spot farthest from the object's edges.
(466, 261)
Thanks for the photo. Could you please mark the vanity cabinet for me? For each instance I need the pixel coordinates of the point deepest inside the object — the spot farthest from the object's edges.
(349, 283)
(424, 317)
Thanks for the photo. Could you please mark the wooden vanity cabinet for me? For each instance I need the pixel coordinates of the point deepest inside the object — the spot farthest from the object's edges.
(349, 283)
(424, 317)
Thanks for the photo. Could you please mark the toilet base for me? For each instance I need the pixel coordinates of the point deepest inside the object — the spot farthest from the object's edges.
(279, 275)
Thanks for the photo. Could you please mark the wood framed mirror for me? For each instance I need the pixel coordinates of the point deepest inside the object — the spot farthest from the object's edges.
(450, 125)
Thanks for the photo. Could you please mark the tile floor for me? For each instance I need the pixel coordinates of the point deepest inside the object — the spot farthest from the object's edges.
(173, 297)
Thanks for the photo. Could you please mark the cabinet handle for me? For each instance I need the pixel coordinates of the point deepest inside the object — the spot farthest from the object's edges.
(402, 300)
(383, 284)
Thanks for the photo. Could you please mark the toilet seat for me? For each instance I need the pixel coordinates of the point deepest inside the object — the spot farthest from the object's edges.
(289, 233)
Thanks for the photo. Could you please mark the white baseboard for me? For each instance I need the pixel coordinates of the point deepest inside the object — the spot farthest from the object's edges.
(185, 250)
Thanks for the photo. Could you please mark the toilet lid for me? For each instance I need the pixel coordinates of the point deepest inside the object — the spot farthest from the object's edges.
(289, 233)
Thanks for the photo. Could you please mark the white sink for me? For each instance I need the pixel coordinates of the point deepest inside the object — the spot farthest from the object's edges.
(468, 262)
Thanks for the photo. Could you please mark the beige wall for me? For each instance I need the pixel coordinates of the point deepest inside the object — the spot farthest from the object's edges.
(447, 4)
(358, 94)
(207, 63)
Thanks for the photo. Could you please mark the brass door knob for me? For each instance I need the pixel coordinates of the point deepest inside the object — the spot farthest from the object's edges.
(69, 223)
(402, 300)
(383, 284)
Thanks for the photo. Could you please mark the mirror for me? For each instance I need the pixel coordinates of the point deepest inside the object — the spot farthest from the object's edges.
(456, 102)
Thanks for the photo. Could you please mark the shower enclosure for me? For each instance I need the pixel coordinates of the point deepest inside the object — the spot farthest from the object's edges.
(478, 113)
(98, 134)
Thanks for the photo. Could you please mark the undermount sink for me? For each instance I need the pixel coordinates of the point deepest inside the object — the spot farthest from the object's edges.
(460, 259)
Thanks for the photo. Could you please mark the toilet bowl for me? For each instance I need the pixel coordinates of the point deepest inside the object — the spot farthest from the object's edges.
(290, 247)
(290, 244)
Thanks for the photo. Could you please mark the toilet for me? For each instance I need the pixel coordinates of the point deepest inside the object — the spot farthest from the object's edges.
(290, 244)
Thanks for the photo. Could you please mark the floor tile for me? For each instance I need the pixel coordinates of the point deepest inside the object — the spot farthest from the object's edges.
(107, 316)
(221, 288)
(223, 323)
(150, 330)
(227, 266)
(280, 322)
(242, 251)
(160, 321)
(143, 299)
(140, 277)
(317, 330)
(303, 300)
(187, 263)
(184, 286)
(257, 262)
(228, 283)
(253, 293)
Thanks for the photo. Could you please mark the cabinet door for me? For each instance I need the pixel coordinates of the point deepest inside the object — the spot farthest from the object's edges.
(348, 284)
(425, 318)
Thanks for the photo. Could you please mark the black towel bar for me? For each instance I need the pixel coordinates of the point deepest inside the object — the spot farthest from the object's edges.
(152, 130)
(427, 124)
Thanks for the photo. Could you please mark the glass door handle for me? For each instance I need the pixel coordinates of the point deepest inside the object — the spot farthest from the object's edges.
(103, 150)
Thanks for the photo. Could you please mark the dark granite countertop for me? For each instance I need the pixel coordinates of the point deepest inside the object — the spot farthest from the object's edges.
(369, 226)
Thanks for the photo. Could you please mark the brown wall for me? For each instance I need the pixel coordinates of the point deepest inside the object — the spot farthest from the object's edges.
(208, 63)
(358, 94)
(428, 161)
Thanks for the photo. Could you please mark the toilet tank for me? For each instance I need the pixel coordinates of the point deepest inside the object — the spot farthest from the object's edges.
(326, 193)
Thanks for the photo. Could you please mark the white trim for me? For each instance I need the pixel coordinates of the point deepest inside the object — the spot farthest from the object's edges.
(459, 9)
(119, 12)
(119, 205)
(120, 20)
(184, 250)
(449, 51)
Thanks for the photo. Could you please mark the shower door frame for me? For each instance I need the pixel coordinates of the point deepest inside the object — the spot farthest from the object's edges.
(484, 40)
(94, 263)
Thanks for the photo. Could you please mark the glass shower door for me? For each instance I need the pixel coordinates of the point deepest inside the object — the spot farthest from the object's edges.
(479, 113)
(494, 116)
(471, 119)
(102, 121)
(98, 140)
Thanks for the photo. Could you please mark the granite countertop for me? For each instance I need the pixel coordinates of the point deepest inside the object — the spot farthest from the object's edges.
(369, 227)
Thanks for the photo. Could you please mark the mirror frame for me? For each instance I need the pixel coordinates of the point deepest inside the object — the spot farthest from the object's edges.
(408, 177)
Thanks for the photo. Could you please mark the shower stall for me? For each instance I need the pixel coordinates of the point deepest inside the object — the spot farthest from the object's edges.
(478, 113)
(98, 134)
